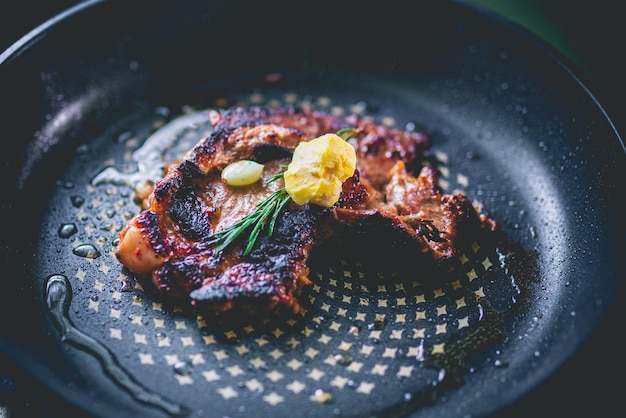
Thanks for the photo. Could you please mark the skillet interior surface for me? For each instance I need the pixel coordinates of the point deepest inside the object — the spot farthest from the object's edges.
(511, 128)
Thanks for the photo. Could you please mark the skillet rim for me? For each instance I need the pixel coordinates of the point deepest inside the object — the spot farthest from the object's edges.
(22, 45)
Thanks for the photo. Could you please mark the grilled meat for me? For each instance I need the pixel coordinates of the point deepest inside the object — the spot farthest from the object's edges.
(392, 196)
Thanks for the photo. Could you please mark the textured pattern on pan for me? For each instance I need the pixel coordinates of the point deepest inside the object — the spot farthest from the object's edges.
(365, 341)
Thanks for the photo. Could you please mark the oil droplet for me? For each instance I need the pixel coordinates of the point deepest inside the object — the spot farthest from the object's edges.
(343, 359)
(87, 251)
(65, 184)
(322, 396)
(354, 329)
(182, 368)
(77, 201)
(378, 324)
(124, 137)
(419, 356)
(67, 230)
(163, 111)
(127, 286)
(501, 363)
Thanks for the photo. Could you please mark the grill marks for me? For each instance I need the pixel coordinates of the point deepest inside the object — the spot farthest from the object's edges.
(166, 244)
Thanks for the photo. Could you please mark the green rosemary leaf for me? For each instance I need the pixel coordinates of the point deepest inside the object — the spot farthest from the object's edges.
(276, 176)
(284, 199)
(346, 133)
(261, 221)
(268, 209)
(258, 226)
(226, 236)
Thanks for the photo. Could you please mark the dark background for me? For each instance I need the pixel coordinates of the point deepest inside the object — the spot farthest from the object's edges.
(590, 36)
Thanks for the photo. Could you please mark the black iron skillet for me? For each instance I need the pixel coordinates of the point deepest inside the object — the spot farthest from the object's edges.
(511, 126)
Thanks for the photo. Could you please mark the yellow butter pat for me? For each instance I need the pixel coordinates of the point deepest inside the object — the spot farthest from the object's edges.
(318, 169)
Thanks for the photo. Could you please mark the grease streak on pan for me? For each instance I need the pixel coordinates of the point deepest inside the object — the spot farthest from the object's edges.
(58, 299)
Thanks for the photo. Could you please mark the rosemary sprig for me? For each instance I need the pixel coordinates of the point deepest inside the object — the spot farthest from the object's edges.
(267, 210)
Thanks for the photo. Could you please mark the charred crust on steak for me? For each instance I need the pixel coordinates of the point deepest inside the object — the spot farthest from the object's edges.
(378, 214)
(274, 269)
(191, 213)
(148, 222)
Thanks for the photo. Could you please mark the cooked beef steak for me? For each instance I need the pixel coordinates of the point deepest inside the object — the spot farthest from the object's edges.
(392, 196)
